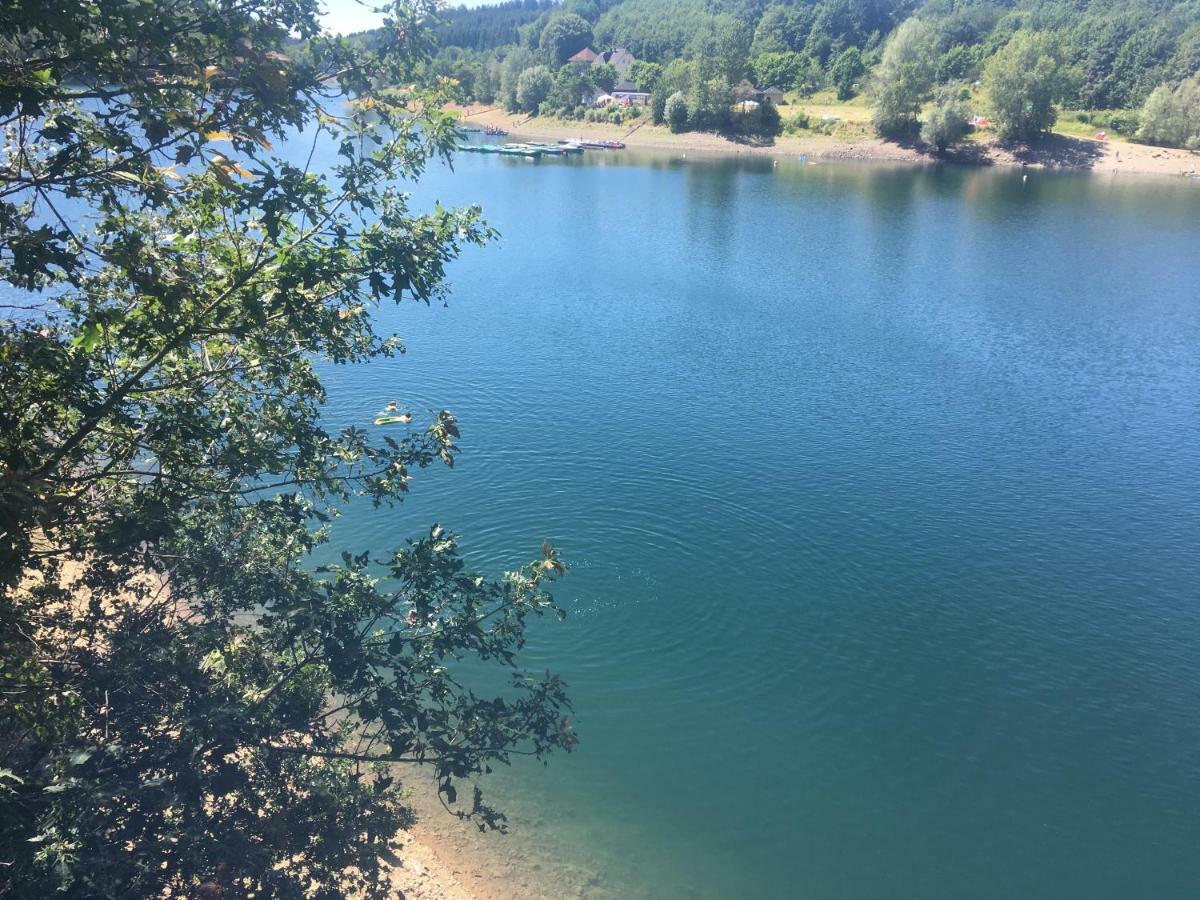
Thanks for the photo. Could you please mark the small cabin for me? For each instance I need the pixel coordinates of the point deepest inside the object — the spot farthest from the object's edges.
(771, 95)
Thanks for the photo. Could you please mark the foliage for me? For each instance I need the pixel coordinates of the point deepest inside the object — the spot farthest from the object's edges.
(654, 30)
(710, 105)
(1023, 81)
(191, 706)
(845, 72)
(487, 27)
(720, 48)
(574, 83)
(603, 77)
(783, 70)
(646, 75)
(676, 112)
(947, 121)
(903, 78)
(678, 75)
(658, 108)
(515, 62)
(564, 36)
(1171, 116)
(762, 121)
(959, 63)
(533, 86)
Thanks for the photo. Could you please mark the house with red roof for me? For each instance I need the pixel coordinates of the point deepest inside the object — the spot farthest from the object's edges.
(586, 55)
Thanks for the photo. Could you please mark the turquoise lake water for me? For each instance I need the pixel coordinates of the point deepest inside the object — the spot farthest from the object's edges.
(882, 493)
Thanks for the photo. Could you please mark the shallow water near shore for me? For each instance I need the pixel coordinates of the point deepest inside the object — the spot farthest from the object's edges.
(882, 496)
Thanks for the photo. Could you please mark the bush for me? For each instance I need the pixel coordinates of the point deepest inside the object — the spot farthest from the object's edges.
(947, 122)
(798, 122)
(845, 72)
(676, 112)
(1171, 116)
(533, 85)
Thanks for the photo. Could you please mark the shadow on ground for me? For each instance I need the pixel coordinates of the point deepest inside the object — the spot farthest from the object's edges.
(1053, 151)
(1056, 150)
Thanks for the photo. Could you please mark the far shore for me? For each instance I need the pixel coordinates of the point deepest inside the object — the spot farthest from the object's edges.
(1056, 151)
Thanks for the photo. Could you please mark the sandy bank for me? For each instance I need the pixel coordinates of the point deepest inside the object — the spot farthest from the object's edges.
(446, 858)
(1055, 152)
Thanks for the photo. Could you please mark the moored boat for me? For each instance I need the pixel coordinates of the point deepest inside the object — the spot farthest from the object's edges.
(518, 150)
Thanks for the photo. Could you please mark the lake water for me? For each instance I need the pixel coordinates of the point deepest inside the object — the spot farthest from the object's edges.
(882, 493)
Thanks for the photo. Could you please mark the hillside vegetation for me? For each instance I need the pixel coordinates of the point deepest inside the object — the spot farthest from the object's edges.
(1020, 63)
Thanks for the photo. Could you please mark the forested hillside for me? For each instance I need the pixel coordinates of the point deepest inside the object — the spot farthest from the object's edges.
(1105, 54)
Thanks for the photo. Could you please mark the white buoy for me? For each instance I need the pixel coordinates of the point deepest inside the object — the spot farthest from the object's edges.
(1024, 178)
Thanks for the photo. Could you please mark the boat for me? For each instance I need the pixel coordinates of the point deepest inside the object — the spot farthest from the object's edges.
(602, 145)
(497, 131)
(548, 149)
(518, 150)
(570, 146)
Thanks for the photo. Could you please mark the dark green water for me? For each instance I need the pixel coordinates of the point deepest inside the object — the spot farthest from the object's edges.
(882, 491)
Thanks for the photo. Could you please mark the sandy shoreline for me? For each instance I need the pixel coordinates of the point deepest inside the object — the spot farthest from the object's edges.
(445, 858)
(1056, 152)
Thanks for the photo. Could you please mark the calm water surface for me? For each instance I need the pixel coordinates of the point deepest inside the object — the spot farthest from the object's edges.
(882, 492)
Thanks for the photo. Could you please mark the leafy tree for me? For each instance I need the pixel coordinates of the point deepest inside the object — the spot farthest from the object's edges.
(678, 75)
(903, 78)
(646, 75)
(676, 112)
(845, 72)
(585, 9)
(517, 60)
(959, 63)
(782, 70)
(948, 121)
(603, 77)
(564, 36)
(721, 49)
(191, 707)
(1023, 81)
(658, 108)
(774, 31)
(1171, 116)
(710, 105)
(533, 86)
(569, 88)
